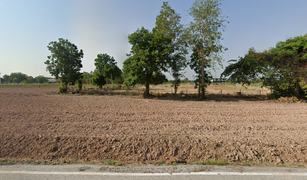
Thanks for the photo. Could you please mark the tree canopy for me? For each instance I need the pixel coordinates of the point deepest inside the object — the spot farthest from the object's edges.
(64, 61)
(282, 68)
(41, 79)
(205, 34)
(168, 23)
(147, 59)
(106, 69)
(17, 77)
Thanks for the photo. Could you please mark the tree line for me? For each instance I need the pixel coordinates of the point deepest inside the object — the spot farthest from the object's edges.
(18, 77)
(169, 47)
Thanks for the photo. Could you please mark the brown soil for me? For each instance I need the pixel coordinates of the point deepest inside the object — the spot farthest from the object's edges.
(37, 123)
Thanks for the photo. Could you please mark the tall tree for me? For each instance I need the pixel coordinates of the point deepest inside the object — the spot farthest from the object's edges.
(168, 23)
(205, 35)
(147, 59)
(196, 66)
(64, 61)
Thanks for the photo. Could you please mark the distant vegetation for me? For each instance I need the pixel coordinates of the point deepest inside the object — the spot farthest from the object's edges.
(21, 78)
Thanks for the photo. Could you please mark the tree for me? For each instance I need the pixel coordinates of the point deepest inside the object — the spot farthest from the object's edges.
(106, 67)
(147, 59)
(64, 61)
(86, 77)
(205, 34)
(6, 78)
(195, 65)
(283, 68)
(17, 77)
(30, 79)
(98, 79)
(168, 23)
(41, 79)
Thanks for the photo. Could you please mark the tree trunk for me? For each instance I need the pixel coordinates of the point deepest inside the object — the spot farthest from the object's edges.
(202, 56)
(175, 88)
(146, 93)
(299, 93)
(202, 78)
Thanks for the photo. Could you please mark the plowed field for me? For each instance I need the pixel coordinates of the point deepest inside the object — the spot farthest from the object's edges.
(36, 123)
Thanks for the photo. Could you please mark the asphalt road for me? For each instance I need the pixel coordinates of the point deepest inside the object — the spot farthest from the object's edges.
(93, 172)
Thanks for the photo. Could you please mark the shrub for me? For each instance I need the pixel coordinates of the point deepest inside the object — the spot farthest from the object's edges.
(61, 90)
(272, 96)
(79, 84)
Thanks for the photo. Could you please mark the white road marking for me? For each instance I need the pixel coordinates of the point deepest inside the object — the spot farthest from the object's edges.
(156, 174)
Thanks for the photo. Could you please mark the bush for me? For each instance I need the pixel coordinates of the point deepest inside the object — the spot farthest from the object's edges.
(61, 90)
(305, 90)
(79, 84)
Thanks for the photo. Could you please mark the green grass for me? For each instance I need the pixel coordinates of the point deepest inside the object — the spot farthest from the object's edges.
(176, 164)
(212, 162)
(246, 164)
(114, 163)
(158, 162)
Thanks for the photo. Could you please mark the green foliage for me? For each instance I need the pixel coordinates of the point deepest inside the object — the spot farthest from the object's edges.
(106, 68)
(41, 79)
(6, 79)
(205, 33)
(30, 79)
(158, 162)
(17, 77)
(245, 69)
(98, 79)
(106, 65)
(86, 77)
(195, 65)
(62, 89)
(147, 59)
(64, 61)
(114, 163)
(305, 90)
(281, 68)
(80, 84)
(168, 23)
(213, 162)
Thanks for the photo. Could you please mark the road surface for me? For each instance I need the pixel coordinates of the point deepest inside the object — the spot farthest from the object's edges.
(95, 172)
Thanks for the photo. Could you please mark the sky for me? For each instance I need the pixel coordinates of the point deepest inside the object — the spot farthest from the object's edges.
(103, 26)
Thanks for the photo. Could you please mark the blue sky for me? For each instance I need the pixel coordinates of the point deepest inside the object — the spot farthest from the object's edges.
(102, 26)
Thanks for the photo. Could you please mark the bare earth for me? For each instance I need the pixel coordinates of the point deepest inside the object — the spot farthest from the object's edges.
(36, 123)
